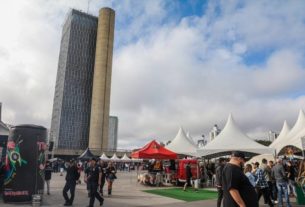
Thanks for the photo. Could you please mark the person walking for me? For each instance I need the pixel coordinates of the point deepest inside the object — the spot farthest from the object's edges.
(47, 175)
(103, 167)
(110, 176)
(93, 180)
(188, 174)
(292, 173)
(262, 187)
(278, 173)
(71, 177)
(218, 182)
(249, 174)
(237, 189)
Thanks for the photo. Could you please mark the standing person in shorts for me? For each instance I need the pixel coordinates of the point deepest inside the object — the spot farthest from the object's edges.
(47, 175)
(237, 189)
(110, 176)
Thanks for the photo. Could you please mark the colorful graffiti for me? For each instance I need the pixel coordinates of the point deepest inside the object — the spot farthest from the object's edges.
(42, 146)
(13, 159)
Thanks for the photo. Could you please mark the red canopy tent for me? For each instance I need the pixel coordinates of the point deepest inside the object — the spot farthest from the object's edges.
(154, 150)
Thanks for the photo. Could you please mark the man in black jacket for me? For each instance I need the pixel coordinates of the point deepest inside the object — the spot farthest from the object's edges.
(219, 170)
(71, 178)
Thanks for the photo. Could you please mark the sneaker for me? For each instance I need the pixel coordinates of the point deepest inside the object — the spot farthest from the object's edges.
(102, 202)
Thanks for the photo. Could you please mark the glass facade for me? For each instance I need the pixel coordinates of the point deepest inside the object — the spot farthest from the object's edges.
(73, 90)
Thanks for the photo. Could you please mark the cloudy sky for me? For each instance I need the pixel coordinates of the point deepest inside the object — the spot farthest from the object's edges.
(176, 63)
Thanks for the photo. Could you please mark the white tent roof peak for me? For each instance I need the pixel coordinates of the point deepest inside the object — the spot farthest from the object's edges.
(285, 130)
(298, 126)
(181, 144)
(231, 138)
(188, 135)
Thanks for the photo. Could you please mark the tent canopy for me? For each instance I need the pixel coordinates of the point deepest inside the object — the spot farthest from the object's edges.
(125, 158)
(104, 157)
(87, 155)
(293, 137)
(181, 144)
(115, 158)
(231, 139)
(153, 150)
(281, 138)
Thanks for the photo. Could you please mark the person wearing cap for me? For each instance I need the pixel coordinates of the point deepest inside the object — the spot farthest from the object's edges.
(279, 174)
(71, 177)
(237, 189)
(93, 179)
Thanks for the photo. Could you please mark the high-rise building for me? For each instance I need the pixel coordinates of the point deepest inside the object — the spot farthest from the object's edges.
(73, 90)
(82, 93)
(113, 133)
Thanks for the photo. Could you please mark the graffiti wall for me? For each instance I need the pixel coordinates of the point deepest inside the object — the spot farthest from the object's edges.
(25, 162)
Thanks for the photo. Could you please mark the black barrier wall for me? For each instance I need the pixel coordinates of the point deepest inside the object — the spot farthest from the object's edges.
(25, 162)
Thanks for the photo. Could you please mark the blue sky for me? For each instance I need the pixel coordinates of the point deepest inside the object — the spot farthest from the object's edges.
(176, 63)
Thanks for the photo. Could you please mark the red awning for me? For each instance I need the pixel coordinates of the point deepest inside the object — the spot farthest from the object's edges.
(154, 150)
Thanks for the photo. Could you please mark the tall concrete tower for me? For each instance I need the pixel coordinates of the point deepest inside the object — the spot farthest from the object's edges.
(99, 121)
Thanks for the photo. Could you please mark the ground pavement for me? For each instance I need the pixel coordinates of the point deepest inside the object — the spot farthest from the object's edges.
(126, 193)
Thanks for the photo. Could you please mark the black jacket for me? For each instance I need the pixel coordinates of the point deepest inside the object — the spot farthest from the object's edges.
(72, 174)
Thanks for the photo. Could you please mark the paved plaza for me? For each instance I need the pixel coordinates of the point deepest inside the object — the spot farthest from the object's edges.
(126, 193)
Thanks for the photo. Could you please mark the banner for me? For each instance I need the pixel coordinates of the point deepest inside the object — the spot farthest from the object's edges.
(25, 162)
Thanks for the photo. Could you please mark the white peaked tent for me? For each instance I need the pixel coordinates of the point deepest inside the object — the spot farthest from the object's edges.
(294, 135)
(231, 139)
(182, 145)
(115, 158)
(277, 143)
(104, 157)
(125, 158)
(188, 135)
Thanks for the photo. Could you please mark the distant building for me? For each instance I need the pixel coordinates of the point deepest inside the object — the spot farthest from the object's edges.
(214, 132)
(73, 89)
(113, 133)
(80, 117)
(272, 136)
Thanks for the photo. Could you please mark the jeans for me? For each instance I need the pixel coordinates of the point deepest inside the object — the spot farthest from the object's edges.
(282, 188)
(220, 196)
(291, 185)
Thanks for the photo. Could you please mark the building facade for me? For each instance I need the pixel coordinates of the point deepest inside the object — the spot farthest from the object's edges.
(113, 133)
(73, 90)
(214, 132)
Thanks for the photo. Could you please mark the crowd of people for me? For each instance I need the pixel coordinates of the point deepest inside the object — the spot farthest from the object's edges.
(96, 174)
(243, 185)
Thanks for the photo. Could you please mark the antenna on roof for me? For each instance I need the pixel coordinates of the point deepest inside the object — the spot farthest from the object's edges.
(88, 6)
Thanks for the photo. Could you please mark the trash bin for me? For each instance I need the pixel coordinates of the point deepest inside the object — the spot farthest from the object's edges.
(25, 162)
(300, 195)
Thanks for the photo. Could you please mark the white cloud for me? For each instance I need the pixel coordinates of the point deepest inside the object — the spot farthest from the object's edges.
(166, 72)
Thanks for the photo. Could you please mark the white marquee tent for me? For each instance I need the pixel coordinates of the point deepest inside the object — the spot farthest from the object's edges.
(293, 137)
(125, 158)
(188, 135)
(231, 139)
(277, 143)
(115, 158)
(104, 157)
(182, 145)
